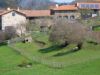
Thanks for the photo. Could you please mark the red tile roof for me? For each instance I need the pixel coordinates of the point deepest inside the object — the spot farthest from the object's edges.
(65, 7)
(29, 13)
(7, 11)
(2, 11)
(35, 13)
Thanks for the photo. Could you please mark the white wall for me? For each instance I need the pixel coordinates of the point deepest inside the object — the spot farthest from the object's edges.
(9, 20)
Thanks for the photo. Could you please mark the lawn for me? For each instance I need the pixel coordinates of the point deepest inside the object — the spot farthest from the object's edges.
(83, 62)
(87, 68)
(9, 59)
(88, 53)
(96, 28)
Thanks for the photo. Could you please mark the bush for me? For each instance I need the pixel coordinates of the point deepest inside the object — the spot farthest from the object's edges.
(10, 32)
(2, 36)
(66, 32)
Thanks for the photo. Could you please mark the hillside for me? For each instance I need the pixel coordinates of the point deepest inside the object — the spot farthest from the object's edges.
(26, 4)
(45, 60)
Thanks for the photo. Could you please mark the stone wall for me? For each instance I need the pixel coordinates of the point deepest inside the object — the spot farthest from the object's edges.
(68, 14)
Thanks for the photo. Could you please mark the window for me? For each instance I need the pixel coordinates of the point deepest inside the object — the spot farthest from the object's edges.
(72, 17)
(13, 14)
(96, 6)
(91, 5)
(87, 5)
(66, 17)
(82, 6)
(60, 17)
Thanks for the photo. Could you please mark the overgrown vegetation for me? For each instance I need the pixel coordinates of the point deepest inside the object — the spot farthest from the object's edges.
(67, 32)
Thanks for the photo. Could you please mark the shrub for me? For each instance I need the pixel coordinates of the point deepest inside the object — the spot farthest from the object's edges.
(2, 36)
(10, 32)
(65, 32)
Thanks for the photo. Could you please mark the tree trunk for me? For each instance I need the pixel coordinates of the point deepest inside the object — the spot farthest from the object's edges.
(79, 45)
(64, 44)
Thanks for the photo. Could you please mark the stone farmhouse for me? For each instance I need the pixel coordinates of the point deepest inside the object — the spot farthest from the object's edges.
(93, 7)
(67, 11)
(74, 11)
(14, 17)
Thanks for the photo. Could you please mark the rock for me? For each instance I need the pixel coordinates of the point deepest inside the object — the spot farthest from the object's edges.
(28, 66)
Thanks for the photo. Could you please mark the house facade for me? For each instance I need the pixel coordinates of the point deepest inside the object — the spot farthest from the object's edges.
(12, 19)
(16, 18)
(89, 9)
(92, 8)
(69, 12)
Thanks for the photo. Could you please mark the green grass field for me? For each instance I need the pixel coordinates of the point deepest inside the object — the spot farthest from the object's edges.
(96, 28)
(83, 62)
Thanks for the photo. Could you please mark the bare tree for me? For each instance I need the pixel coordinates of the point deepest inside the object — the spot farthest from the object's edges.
(65, 32)
(21, 29)
(2, 36)
(10, 32)
(43, 24)
(95, 35)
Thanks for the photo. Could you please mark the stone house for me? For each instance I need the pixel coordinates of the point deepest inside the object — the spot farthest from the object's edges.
(41, 18)
(68, 11)
(92, 8)
(13, 18)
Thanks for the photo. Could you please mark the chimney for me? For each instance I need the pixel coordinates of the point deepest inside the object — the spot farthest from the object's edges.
(8, 9)
(57, 5)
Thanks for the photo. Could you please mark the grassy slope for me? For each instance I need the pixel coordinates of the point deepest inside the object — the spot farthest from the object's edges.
(88, 68)
(9, 59)
(89, 52)
(84, 62)
(8, 56)
(97, 29)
